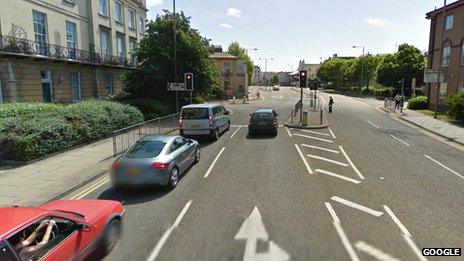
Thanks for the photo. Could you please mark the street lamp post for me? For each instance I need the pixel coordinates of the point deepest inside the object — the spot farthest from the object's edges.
(265, 67)
(362, 69)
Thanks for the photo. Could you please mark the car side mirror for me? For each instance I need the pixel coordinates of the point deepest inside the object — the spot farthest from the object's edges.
(83, 227)
(189, 142)
(227, 113)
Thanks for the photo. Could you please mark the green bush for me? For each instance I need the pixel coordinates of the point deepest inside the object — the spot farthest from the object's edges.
(455, 103)
(150, 108)
(25, 108)
(30, 136)
(418, 103)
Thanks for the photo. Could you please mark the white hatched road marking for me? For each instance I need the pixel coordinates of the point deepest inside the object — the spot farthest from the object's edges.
(452, 171)
(400, 140)
(315, 132)
(328, 160)
(414, 248)
(341, 233)
(214, 162)
(235, 132)
(351, 163)
(288, 131)
(373, 124)
(362, 246)
(357, 206)
(314, 138)
(337, 176)
(332, 133)
(304, 159)
(168, 232)
(319, 148)
(397, 221)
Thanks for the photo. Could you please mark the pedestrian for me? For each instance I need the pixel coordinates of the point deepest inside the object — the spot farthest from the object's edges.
(397, 102)
(401, 103)
(331, 103)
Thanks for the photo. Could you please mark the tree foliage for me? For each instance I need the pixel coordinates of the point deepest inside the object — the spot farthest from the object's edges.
(335, 71)
(275, 79)
(155, 54)
(236, 50)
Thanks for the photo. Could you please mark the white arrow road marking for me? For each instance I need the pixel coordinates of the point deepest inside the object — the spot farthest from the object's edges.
(304, 159)
(337, 176)
(319, 148)
(452, 171)
(314, 138)
(400, 140)
(374, 252)
(253, 229)
(373, 124)
(357, 206)
(328, 160)
(341, 233)
(315, 132)
(214, 162)
(351, 163)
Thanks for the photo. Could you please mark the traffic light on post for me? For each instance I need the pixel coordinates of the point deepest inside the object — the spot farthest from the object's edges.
(188, 81)
(303, 76)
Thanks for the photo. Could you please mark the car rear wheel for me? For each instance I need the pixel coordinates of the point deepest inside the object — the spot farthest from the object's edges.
(197, 155)
(228, 126)
(215, 135)
(174, 178)
(110, 237)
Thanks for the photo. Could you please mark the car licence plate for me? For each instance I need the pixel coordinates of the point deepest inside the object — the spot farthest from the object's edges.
(262, 123)
(133, 171)
(195, 126)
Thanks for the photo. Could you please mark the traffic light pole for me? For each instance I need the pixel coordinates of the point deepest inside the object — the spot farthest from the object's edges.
(301, 100)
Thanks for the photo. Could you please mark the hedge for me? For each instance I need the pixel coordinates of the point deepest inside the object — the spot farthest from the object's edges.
(53, 128)
(418, 103)
(455, 103)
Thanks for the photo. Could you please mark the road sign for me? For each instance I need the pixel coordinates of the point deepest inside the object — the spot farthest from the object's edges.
(176, 86)
(431, 75)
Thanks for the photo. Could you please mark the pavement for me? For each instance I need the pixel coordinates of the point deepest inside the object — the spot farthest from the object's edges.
(366, 188)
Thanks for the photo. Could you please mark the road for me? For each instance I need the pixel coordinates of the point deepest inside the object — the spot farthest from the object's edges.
(367, 188)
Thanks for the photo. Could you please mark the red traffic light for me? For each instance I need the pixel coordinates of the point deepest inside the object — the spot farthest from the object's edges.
(302, 73)
(189, 77)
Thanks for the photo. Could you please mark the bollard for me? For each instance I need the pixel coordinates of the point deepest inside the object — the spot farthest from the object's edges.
(244, 99)
(322, 115)
(233, 100)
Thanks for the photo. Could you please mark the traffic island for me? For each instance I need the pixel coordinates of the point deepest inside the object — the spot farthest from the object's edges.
(312, 119)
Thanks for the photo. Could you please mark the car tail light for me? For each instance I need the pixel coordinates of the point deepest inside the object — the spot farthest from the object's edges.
(274, 122)
(249, 123)
(115, 165)
(210, 121)
(180, 121)
(160, 165)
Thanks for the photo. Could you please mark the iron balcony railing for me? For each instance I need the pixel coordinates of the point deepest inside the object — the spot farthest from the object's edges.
(23, 46)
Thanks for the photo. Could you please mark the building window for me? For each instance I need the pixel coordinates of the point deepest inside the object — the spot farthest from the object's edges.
(71, 35)
(227, 69)
(132, 46)
(443, 89)
(446, 56)
(462, 54)
(108, 84)
(75, 86)
(120, 46)
(119, 14)
(142, 25)
(461, 87)
(103, 7)
(40, 32)
(131, 19)
(105, 43)
(449, 22)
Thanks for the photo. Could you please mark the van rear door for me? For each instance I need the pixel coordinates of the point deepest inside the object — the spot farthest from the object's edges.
(195, 118)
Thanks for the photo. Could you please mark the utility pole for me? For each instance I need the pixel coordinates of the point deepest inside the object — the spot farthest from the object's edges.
(402, 88)
(175, 51)
(440, 50)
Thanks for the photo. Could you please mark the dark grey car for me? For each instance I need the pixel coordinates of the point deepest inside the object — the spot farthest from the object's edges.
(263, 120)
(155, 160)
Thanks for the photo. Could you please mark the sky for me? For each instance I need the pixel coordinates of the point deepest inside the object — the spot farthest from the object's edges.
(312, 30)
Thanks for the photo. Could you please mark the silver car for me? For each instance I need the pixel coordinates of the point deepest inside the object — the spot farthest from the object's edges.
(155, 160)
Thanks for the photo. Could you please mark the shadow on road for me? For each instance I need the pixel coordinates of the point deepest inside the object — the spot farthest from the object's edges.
(131, 196)
(261, 136)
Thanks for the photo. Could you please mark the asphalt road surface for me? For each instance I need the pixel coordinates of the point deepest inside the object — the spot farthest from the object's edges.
(367, 188)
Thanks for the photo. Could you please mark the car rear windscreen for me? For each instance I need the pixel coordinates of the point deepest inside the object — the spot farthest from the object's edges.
(145, 149)
(195, 114)
(262, 116)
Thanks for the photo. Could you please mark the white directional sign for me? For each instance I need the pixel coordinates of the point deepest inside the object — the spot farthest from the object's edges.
(253, 229)
(431, 75)
(176, 86)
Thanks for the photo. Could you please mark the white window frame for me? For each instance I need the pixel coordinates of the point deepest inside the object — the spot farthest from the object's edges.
(40, 37)
(132, 19)
(109, 84)
(446, 54)
(119, 13)
(75, 85)
(132, 46)
(103, 7)
(449, 22)
(70, 44)
(443, 90)
(121, 45)
(461, 87)
(108, 43)
(141, 25)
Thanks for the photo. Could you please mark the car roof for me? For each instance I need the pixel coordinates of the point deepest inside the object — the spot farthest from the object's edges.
(163, 138)
(201, 105)
(263, 111)
(14, 217)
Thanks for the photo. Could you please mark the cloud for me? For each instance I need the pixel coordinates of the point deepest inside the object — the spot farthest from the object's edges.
(234, 12)
(217, 15)
(228, 26)
(375, 21)
(154, 2)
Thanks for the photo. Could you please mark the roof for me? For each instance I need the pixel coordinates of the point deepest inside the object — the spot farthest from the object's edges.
(222, 55)
(163, 138)
(201, 105)
(13, 217)
(263, 111)
(456, 4)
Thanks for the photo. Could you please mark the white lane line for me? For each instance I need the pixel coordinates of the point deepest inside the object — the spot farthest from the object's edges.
(214, 162)
(304, 159)
(341, 233)
(452, 171)
(370, 250)
(373, 124)
(319, 148)
(168, 232)
(414, 248)
(335, 175)
(315, 132)
(235, 132)
(351, 163)
(328, 160)
(332, 212)
(314, 138)
(91, 189)
(288, 131)
(332, 133)
(357, 206)
(400, 140)
(397, 221)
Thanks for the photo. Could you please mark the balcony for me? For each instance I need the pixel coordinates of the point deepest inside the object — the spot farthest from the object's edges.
(21, 46)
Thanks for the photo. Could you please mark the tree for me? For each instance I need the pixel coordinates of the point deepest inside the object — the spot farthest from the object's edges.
(335, 71)
(156, 56)
(275, 79)
(368, 65)
(236, 50)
